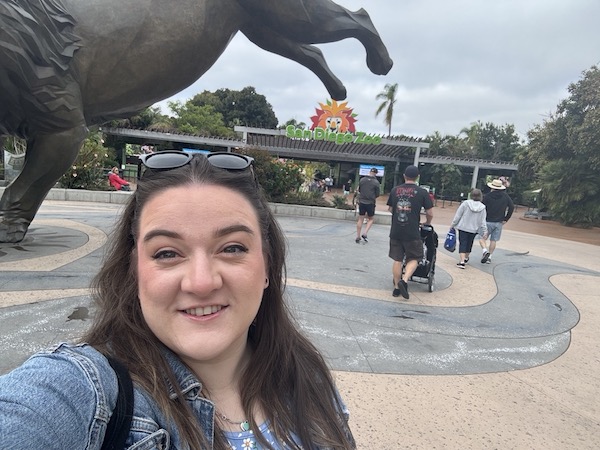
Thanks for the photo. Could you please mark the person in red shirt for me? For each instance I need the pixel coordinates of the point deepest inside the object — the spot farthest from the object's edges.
(116, 181)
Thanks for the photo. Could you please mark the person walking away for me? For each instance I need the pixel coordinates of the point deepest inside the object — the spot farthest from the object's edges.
(469, 220)
(116, 181)
(405, 203)
(499, 207)
(368, 188)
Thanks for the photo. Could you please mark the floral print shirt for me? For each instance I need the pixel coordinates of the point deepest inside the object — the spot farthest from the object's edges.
(246, 440)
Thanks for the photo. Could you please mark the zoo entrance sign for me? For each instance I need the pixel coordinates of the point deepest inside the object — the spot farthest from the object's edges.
(333, 122)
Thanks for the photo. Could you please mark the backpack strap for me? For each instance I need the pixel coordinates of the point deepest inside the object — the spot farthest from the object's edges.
(120, 420)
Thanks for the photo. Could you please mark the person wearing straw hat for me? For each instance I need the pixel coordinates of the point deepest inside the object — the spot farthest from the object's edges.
(499, 207)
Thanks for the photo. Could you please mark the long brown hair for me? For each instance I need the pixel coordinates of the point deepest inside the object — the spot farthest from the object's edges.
(286, 378)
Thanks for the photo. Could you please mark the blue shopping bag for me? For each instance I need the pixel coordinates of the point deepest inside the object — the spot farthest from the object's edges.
(450, 242)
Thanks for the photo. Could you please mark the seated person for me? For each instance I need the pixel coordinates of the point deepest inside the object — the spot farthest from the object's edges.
(116, 181)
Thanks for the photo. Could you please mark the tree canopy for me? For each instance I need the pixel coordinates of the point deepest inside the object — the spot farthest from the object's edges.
(481, 141)
(198, 119)
(245, 107)
(563, 155)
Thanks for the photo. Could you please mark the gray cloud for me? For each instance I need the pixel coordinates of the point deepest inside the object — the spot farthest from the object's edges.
(455, 62)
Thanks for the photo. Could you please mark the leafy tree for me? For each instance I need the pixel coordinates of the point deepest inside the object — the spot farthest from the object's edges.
(293, 122)
(245, 107)
(447, 145)
(193, 119)
(388, 97)
(479, 141)
(564, 154)
(316, 169)
(581, 115)
(88, 170)
(436, 144)
(278, 178)
(498, 143)
(571, 191)
(471, 142)
(148, 118)
(447, 177)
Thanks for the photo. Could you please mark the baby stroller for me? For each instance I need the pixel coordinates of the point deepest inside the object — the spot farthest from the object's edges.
(425, 271)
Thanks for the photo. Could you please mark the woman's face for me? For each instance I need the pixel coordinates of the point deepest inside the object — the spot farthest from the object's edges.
(201, 271)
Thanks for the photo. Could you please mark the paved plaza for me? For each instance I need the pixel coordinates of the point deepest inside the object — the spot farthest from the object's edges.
(499, 356)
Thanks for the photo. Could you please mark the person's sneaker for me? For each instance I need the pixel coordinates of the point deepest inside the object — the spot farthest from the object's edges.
(485, 257)
(461, 265)
(396, 292)
(466, 260)
(403, 289)
(357, 240)
(364, 236)
(489, 260)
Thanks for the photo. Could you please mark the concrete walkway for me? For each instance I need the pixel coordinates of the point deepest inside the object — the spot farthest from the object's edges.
(501, 355)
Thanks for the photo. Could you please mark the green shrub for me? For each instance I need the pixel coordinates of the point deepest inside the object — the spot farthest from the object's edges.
(88, 170)
(305, 198)
(570, 190)
(529, 199)
(278, 177)
(339, 202)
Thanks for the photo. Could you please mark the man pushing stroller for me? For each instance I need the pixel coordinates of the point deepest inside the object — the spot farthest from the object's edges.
(405, 203)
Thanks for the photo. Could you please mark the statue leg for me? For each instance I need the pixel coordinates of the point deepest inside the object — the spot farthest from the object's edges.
(308, 55)
(378, 58)
(320, 21)
(48, 156)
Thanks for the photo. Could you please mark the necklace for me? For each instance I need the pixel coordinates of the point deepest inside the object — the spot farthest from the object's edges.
(244, 425)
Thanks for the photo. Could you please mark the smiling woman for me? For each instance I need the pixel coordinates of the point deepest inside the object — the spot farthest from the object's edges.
(201, 287)
(190, 298)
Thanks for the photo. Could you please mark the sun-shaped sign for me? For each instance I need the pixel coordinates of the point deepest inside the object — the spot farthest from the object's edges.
(334, 117)
(334, 122)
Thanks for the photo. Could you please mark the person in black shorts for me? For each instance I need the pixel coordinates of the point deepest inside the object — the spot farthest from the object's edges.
(405, 203)
(368, 188)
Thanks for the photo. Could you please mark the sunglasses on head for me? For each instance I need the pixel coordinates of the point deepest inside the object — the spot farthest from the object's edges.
(172, 159)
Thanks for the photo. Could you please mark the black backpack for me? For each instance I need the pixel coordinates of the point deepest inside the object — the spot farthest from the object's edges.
(120, 420)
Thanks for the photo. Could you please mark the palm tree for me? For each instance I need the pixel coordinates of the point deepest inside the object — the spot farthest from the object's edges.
(294, 123)
(388, 95)
(471, 141)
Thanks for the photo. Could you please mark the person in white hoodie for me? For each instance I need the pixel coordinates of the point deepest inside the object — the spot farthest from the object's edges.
(469, 220)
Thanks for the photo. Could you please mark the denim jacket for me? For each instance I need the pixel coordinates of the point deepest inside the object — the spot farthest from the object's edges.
(63, 399)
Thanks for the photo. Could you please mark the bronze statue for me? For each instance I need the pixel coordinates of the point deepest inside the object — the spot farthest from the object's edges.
(67, 64)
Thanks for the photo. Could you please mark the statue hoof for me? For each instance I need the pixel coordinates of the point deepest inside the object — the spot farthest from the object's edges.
(12, 232)
(379, 64)
(338, 92)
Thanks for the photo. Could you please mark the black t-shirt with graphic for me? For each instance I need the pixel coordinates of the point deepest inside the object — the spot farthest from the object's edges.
(406, 201)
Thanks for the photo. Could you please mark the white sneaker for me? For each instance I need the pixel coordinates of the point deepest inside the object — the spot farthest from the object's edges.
(486, 256)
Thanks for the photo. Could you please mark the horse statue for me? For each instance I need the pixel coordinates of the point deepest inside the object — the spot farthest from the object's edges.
(68, 64)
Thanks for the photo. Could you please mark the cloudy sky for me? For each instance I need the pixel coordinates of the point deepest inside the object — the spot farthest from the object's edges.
(455, 62)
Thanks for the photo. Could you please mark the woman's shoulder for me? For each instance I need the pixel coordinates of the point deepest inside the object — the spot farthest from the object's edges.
(54, 390)
(66, 367)
(82, 355)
